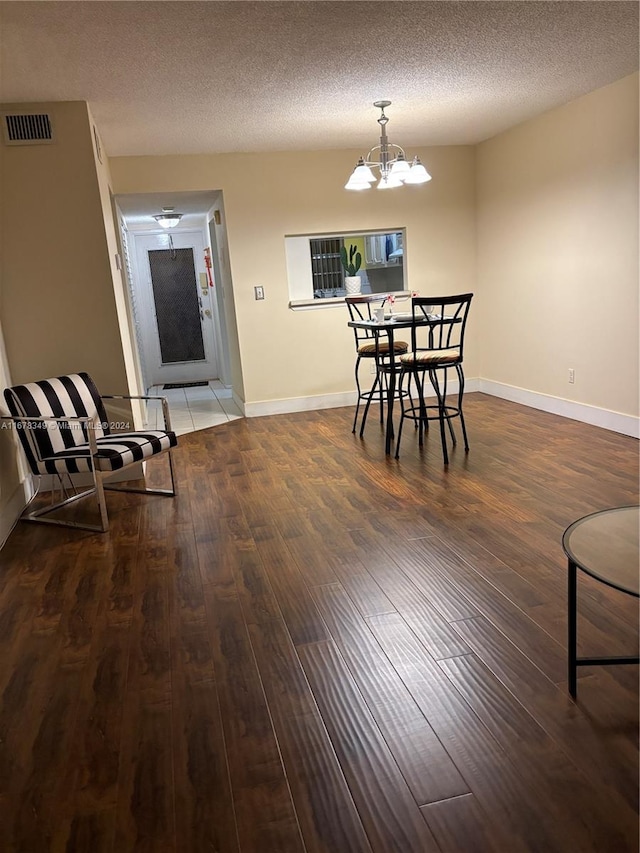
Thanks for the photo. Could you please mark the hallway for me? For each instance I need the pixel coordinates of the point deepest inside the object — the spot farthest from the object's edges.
(193, 408)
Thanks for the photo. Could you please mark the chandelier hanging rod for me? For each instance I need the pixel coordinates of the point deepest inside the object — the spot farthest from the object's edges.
(394, 170)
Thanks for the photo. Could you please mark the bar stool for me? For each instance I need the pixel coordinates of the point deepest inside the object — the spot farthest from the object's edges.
(437, 346)
(372, 346)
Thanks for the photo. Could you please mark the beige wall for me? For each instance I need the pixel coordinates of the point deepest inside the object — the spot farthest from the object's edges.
(289, 354)
(558, 251)
(58, 309)
(59, 301)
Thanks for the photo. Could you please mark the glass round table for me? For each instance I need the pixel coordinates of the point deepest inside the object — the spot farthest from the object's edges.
(605, 546)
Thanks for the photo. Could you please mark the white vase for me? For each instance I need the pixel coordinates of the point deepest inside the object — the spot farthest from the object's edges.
(352, 284)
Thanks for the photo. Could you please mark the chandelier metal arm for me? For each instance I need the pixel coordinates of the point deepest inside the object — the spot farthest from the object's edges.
(391, 162)
(385, 162)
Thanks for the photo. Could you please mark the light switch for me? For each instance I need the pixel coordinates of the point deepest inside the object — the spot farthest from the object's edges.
(259, 291)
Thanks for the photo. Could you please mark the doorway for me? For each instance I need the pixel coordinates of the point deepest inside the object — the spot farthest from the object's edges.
(176, 323)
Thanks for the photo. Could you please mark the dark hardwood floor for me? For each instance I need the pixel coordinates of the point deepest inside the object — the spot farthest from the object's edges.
(316, 648)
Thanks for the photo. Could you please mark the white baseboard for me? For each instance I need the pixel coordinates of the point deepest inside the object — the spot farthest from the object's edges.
(322, 401)
(614, 421)
(299, 404)
(12, 509)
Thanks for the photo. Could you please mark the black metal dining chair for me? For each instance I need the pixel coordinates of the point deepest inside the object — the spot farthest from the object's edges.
(371, 346)
(437, 347)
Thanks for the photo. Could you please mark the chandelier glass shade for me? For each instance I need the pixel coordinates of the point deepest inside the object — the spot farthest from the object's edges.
(168, 218)
(389, 160)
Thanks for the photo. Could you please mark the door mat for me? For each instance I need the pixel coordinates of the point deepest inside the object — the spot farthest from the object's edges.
(169, 385)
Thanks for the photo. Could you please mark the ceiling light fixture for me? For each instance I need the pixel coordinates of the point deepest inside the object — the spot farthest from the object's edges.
(168, 218)
(394, 168)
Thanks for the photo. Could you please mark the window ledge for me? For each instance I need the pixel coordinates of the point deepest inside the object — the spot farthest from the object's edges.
(312, 304)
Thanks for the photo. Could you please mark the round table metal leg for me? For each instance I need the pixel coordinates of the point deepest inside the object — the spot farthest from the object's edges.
(572, 622)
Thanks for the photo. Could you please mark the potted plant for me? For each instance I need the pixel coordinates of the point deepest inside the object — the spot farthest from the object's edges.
(351, 264)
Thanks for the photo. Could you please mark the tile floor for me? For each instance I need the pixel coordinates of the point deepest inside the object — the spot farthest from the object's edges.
(192, 409)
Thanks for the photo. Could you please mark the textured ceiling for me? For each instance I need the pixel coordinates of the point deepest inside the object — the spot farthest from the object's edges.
(191, 77)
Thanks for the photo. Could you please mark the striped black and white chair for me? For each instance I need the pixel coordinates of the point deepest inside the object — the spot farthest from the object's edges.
(63, 428)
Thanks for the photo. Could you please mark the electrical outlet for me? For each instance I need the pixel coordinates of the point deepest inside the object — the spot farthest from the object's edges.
(572, 376)
(259, 292)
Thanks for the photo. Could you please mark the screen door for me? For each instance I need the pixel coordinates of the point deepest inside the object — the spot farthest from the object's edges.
(173, 280)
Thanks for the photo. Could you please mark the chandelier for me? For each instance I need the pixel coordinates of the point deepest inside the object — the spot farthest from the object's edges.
(394, 168)
(168, 218)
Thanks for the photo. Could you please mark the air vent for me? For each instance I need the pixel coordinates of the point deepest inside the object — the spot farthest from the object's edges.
(27, 129)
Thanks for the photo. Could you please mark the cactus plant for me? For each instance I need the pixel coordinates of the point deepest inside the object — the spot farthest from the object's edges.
(353, 262)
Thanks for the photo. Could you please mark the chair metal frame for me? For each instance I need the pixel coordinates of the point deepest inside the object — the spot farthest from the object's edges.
(99, 486)
(445, 335)
(361, 307)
